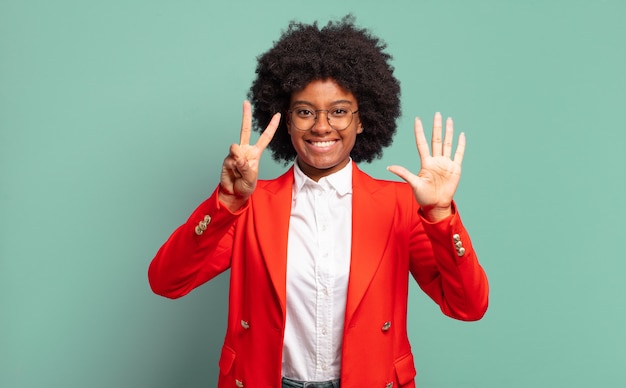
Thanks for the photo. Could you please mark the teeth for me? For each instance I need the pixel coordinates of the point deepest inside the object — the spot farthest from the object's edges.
(322, 143)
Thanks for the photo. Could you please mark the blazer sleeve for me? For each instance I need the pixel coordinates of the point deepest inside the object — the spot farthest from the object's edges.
(192, 256)
(445, 265)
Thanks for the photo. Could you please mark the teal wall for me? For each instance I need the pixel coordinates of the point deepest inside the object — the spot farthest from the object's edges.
(115, 117)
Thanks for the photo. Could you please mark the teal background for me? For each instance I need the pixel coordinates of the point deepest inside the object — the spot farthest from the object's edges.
(115, 117)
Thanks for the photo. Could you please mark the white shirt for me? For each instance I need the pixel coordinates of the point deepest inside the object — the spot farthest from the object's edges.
(318, 267)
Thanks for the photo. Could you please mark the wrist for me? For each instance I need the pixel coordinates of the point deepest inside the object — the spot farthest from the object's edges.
(436, 213)
(232, 201)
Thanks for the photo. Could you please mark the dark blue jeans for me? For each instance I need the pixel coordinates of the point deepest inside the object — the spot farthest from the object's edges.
(287, 383)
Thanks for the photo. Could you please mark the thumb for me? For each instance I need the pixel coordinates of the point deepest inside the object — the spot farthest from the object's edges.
(401, 172)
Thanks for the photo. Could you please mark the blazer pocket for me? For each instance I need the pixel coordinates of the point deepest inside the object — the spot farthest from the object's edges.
(227, 359)
(405, 369)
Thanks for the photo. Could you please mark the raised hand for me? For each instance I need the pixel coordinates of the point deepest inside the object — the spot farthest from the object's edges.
(436, 182)
(240, 169)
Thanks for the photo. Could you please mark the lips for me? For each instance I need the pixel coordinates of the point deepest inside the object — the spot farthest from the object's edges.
(322, 144)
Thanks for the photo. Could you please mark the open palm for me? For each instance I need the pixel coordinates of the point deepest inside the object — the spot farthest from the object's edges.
(436, 182)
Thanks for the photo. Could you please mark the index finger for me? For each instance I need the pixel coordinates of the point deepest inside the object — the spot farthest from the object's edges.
(420, 139)
(246, 124)
(269, 132)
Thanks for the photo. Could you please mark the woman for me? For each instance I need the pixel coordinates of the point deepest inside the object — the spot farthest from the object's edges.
(319, 257)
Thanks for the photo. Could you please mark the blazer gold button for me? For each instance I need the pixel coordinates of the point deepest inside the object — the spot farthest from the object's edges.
(202, 225)
(386, 326)
(245, 324)
(459, 244)
(389, 385)
(207, 218)
(239, 383)
(198, 230)
(456, 237)
(460, 251)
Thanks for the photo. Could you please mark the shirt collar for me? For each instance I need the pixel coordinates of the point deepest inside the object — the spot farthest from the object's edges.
(340, 181)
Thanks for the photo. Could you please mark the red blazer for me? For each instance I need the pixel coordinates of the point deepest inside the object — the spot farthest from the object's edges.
(389, 241)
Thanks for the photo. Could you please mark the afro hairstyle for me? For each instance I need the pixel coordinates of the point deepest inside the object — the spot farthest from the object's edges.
(340, 51)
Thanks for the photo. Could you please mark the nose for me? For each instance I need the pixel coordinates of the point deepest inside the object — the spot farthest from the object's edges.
(321, 123)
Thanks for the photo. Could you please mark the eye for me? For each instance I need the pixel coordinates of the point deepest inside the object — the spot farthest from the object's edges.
(304, 113)
(338, 112)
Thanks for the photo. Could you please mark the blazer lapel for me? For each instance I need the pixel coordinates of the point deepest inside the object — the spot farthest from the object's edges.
(272, 209)
(371, 227)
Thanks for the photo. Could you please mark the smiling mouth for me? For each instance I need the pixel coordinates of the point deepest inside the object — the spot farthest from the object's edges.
(323, 144)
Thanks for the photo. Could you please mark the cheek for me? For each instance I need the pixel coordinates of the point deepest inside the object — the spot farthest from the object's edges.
(349, 142)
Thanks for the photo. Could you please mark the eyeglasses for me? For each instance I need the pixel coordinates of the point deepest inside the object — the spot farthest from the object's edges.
(303, 119)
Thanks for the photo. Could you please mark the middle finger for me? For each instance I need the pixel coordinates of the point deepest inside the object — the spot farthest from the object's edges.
(448, 137)
(246, 124)
(436, 144)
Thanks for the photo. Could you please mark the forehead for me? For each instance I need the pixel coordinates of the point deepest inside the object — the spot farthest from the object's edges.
(321, 93)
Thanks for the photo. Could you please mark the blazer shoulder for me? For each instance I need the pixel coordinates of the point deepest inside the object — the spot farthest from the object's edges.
(274, 185)
(364, 180)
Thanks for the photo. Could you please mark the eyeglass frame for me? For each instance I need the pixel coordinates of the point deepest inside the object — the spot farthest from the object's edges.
(327, 118)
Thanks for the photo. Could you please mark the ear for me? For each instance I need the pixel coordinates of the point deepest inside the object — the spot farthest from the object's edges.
(287, 122)
(359, 128)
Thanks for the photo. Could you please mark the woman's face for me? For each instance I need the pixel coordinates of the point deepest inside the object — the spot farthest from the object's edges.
(323, 150)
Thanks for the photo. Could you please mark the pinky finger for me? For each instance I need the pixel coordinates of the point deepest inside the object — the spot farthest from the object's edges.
(460, 149)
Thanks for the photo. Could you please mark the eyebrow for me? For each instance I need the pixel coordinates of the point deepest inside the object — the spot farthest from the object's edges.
(337, 102)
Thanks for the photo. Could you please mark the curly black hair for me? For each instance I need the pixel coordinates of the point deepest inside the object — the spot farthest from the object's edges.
(341, 51)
